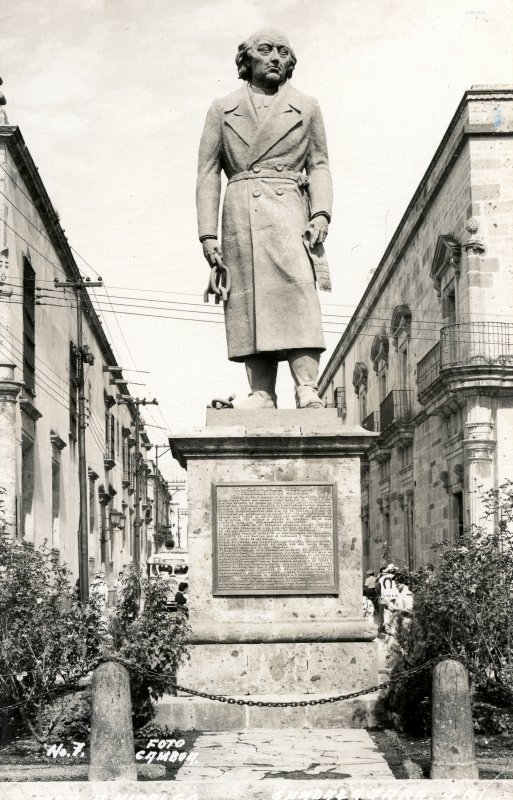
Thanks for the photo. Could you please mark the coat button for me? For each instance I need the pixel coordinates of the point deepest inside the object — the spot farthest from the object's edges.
(257, 193)
(279, 190)
(256, 168)
(279, 167)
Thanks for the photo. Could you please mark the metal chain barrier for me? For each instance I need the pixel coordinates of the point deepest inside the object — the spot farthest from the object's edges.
(314, 702)
(400, 676)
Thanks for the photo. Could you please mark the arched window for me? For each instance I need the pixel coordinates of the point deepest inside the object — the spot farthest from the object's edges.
(379, 356)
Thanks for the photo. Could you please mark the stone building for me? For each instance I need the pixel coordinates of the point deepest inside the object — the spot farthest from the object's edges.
(427, 359)
(40, 391)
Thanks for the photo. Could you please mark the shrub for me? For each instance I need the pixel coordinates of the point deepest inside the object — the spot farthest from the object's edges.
(465, 609)
(154, 640)
(47, 639)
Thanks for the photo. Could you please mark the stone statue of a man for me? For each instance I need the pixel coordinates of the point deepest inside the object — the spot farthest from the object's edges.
(269, 140)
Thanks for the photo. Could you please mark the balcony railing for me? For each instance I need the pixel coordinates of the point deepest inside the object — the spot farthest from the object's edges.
(339, 397)
(467, 344)
(477, 343)
(371, 423)
(428, 369)
(109, 457)
(396, 407)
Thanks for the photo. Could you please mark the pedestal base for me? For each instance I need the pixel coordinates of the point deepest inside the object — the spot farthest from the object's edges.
(274, 667)
(259, 637)
(199, 714)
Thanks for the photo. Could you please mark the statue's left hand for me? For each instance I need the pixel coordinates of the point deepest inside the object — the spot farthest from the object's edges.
(316, 231)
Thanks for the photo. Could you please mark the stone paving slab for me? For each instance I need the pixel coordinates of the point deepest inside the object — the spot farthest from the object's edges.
(266, 754)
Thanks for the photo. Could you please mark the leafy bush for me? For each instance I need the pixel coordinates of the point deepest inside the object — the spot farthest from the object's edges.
(464, 608)
(49, 640)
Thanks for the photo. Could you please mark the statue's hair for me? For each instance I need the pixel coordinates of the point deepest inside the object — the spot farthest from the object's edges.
(244, 65)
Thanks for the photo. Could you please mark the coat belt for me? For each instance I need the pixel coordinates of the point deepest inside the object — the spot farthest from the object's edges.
(299, 177)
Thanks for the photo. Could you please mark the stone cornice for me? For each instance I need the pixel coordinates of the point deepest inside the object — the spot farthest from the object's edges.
(336, 630)
(447, 256)
(234, 442)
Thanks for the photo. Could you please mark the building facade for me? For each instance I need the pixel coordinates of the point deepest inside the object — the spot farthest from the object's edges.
(426, 361)
(58, 376)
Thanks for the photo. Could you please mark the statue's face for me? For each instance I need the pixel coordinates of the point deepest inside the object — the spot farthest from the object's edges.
(270, 60)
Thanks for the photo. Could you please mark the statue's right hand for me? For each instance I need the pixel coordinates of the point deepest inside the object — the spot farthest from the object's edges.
(212, 251)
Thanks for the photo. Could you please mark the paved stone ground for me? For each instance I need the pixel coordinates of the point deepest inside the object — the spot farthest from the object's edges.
(295, 754)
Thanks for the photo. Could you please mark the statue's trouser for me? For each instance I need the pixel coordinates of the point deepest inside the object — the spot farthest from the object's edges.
(262, 370)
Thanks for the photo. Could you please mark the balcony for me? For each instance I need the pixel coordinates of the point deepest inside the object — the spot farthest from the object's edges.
(395, 408)
(109, 458)
(470, 346)
(477, 344)
(371, 423)
(340, 401)
(128, 478)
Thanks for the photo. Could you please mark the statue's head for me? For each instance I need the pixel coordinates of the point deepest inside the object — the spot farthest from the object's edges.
(262, 43)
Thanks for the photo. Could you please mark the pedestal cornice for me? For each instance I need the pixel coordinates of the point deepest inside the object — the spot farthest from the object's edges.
(235, 442)
(237, 433)
(345, 630)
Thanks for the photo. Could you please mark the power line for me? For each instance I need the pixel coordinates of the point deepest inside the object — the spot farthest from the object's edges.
(41, 385)
(18, 341)
(221, 322)
(377, 309)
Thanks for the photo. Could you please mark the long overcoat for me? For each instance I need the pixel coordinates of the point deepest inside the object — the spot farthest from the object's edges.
(273, 304)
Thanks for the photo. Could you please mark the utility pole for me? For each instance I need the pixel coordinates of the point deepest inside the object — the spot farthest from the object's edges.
(82, 355)
(137, 402)
(157, 485)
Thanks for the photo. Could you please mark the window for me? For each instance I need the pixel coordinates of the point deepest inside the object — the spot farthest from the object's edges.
(360, 376)
(92, 506)
(73, 391)
(385, 469)
(29, 326)
(406, 456)
(362, 403)
(379, 356)
(110, 434)
(127, 470)
(56, 496)
(457, 510)
(27, 488)
(382, 381)
(404, 376)
(449, 304)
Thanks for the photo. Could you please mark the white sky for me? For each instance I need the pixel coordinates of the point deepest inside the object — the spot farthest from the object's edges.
(111, 97)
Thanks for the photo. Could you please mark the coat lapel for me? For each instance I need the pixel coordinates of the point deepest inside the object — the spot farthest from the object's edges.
(241, 116)
(284, 114)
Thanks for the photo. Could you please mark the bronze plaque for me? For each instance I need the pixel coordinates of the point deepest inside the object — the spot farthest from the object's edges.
(274, 538)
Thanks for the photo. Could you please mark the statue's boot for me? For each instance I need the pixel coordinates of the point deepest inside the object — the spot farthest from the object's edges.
(304, 366)
(261, 372)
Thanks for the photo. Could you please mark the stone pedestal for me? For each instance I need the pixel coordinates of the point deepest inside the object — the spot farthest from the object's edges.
(286, 485)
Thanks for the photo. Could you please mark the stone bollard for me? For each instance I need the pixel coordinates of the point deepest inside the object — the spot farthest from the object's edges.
(112, 736)
(452, 734)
